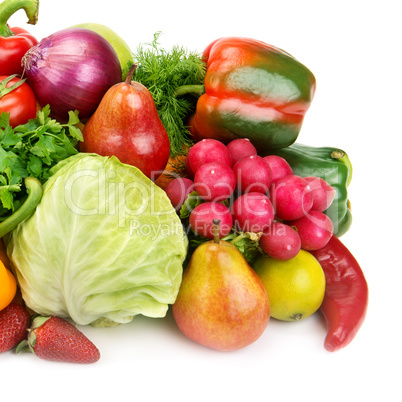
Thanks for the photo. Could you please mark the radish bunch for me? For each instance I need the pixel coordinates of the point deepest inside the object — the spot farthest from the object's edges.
(251, 193)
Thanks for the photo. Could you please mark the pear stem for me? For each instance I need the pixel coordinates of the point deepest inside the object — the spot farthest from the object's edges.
(215, 230)
(130, 73)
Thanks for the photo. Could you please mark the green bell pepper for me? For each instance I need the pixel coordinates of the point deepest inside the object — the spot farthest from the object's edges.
(332, 165)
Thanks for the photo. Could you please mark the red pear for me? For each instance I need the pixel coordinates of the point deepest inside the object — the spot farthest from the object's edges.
(126, 124)
(222, 303)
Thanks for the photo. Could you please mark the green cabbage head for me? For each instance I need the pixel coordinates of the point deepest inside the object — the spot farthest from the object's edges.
(104, 245)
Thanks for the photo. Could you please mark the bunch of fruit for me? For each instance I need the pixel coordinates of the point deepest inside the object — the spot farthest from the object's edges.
(254, 194)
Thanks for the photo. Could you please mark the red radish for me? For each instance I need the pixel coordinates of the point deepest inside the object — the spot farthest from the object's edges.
(252, 212)
(239, 148)
(189, 172)
(215, 181)
(323, 193)
(205, 151)
(202, 216)
(292, 197)
(178, 190)
(279, 167)
(252, 174)
(280, 241)
(315, 230)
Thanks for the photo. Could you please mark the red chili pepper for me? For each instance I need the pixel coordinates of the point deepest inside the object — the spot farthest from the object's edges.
(346, 295)
(14, 42)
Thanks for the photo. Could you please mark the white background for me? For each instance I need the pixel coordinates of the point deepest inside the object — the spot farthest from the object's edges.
(353, 47)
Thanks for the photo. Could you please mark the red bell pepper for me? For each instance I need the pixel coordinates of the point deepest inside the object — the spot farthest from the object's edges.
(251, 90)
(14, 42)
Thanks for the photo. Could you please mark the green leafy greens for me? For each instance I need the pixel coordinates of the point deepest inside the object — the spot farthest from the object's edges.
(111, 244)
(162, 72)
(30, 150)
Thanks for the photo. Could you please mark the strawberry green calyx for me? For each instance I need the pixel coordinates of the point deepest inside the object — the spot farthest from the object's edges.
(36, 323)
(28, 344)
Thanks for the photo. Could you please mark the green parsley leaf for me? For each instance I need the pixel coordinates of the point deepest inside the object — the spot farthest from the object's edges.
(73, 118)
(8, 137)
(31, 149)
(4, 119)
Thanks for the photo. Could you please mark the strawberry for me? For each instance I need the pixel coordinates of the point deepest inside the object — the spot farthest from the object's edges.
(14, 323)
(56, 339)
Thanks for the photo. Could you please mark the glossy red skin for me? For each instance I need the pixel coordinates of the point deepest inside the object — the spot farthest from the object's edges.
(279, 167)
(239, 103)
(14, 323)
(126, 124)
(314, 229)
(291, 197)
(346, 294)
(178, 190)
(252, 212)
(205, 151)
(215, 181)
(280, 241)
(202, 216)
(252, 174)
(20, 103)
(323, 193)
(12, 49)
(240, 148)
(59, 340)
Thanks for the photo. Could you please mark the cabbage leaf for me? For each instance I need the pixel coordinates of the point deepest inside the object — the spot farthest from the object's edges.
(104, 244)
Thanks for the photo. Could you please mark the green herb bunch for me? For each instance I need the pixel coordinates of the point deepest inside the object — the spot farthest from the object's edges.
(30, 150)
(162, 72)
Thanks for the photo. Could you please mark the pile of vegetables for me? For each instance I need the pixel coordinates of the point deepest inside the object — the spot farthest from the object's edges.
(98, 241)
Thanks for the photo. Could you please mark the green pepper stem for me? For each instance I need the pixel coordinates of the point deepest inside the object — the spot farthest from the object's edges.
(195, 90)
(4, 90)
(9, 7)
(35, 191)
(341, 155)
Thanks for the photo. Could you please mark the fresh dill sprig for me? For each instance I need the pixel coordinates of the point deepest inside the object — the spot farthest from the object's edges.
(162, 71)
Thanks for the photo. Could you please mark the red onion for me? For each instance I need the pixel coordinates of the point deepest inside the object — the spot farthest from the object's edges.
(71, 70)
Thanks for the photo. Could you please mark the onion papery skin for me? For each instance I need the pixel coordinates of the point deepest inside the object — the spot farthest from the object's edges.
(71, 70)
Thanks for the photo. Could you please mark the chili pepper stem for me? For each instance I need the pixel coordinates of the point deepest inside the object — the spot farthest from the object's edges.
(35, 191)
(9, 7)
(195, 90)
